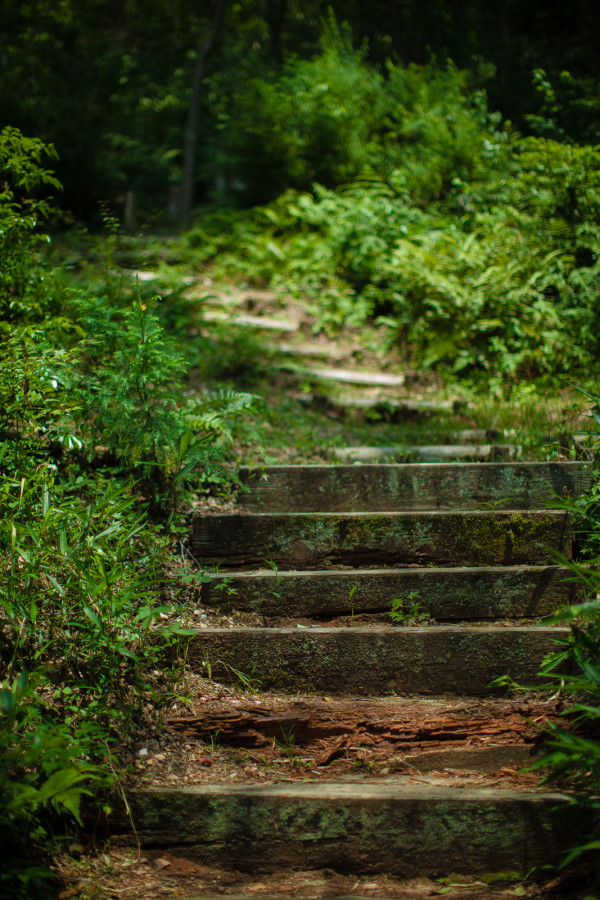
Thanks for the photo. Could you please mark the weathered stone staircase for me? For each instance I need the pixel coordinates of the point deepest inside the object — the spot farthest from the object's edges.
(337, 544)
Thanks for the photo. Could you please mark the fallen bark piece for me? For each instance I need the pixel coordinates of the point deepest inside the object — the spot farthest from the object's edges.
(336, 749)
(406, 725)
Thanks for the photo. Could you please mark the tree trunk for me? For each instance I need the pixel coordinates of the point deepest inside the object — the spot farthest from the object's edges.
(419, 38)
(460, 50)
(503, 32)
(276, 10)
(190, 140)
(397, 30)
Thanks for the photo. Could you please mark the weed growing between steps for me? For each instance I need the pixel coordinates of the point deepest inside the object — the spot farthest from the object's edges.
(409, 610)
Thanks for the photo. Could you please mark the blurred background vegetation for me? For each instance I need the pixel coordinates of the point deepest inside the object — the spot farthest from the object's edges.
(431, 165)
(423, 174)
(287, 96)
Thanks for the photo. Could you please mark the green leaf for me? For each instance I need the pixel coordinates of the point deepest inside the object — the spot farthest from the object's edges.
(58, 586)
(23, 554)
(184, 443)
(7, 700)
(94, 618)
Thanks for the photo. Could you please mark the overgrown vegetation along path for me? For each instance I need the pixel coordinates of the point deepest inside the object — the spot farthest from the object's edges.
(363, 611)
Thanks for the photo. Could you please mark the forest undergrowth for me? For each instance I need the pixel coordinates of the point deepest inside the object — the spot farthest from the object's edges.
(471, 257)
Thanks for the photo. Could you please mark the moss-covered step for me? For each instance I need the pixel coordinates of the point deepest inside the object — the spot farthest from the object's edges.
(336, 375)
(261, 323)
(381, 826)
(374, 660)
(386, 408)
(316, 540)
(446, 594)
(428, 453)
(362, 488)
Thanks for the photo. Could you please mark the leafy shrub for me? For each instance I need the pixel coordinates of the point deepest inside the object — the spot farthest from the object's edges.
(44, 774)
(326, 119)
(438, 131)
(313, 122)
(568, 108)
(94, 424)
(500, 276)
(77, 592)
(22, 296)
(575, 749)
(490, 299)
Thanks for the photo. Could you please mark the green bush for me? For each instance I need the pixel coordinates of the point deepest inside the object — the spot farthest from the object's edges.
(25, 297)
(325, 119)
(574, 757)
(94, 427)
(44, 773)
(499, 276)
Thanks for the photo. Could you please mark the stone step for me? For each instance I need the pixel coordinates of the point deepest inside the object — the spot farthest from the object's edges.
(389, 826)
(361, 488)
(309, 351)
(389, 409)
(429, 453)
(239, 320)
(314, 540)
(446, 594)
(337, 375)
(374, 660)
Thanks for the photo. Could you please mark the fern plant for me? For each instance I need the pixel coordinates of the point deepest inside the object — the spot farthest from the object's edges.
(130, 398)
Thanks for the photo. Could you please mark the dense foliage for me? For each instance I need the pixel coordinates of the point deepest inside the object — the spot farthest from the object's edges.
(94, 429)
(110, 84)
(496, 275)
(341, 155)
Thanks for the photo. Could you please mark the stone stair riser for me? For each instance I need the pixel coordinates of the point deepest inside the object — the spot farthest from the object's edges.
(374, 661)
(412, 486)
(313, 540)
(446, 594)
(402, 830)
(430, 453)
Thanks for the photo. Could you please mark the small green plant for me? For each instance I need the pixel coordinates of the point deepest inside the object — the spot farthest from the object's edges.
(287, 745)
(228, 593)
(409, 610)
(493, 504)
(207, 665)
(214, 740)
(351, 593)
(247, 682)
(270, 561)
(129, 399)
